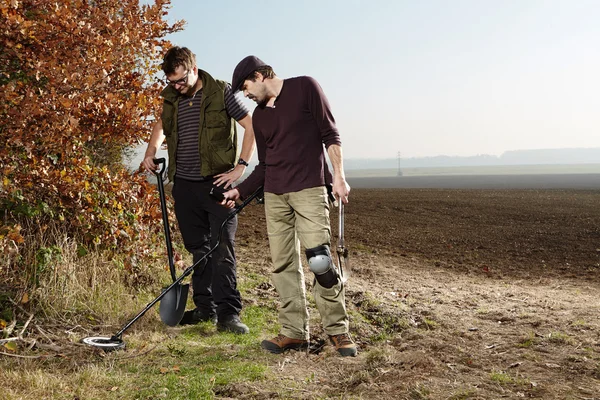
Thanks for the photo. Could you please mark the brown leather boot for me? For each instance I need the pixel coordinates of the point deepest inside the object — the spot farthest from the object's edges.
(344, 345)
(282, 343)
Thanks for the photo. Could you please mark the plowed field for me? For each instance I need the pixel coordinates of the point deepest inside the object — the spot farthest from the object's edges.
(455, 294)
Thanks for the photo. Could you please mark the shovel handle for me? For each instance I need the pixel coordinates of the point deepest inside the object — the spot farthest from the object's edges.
(165, 215)
(158, 161)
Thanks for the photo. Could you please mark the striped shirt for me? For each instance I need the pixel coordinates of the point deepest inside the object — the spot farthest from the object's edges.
(188, 119)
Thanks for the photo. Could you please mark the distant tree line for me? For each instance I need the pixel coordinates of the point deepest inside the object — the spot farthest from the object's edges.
(514, 157)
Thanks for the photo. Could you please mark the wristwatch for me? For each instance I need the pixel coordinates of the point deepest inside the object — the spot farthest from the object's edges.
(241, 161)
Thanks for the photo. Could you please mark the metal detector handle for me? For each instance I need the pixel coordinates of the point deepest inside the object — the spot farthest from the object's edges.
(165, 215)
(218, 196)
(330, 194)
(254, 195)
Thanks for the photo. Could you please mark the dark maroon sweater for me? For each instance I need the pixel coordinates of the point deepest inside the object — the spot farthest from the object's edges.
(290, 139)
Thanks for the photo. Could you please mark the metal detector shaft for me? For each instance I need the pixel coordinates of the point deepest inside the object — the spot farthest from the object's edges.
(342, 251)
(188, 270)
(341, 224)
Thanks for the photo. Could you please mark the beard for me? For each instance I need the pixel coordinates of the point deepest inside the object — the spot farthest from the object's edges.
(186, 90)
(260, 98)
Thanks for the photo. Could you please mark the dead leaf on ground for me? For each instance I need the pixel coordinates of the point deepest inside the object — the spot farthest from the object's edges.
(11, 346)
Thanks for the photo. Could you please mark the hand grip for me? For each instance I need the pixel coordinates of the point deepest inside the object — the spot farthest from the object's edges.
(158, 161)
(216, 194)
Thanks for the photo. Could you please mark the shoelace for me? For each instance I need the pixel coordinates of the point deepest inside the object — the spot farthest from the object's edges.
(280, 338)
(342, 340)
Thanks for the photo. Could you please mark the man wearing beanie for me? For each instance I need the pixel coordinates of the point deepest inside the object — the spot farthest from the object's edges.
(293, 127)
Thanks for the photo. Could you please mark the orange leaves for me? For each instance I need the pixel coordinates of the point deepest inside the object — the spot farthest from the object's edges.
(66, 102)
(13, 233)
(10, 240)
(76, 91)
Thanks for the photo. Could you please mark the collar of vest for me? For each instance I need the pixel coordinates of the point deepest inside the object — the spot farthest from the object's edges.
(209, 87)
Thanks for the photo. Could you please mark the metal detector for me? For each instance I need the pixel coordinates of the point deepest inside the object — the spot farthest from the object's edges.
(342, 251)
(115, 341)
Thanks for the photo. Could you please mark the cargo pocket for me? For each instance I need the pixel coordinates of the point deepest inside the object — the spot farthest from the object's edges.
(223, 155)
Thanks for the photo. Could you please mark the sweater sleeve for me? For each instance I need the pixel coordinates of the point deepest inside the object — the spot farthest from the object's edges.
(257, 178)
(321, 112)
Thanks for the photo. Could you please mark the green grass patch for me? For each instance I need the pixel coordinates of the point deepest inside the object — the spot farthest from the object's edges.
(502, 378)
(250, 280)
(527, 341)
(559, 338)
(428, 324)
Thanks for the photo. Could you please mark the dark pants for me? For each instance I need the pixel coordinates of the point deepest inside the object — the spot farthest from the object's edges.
(200, 217)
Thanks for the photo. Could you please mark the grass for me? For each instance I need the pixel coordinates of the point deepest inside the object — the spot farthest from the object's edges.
(197, 374)
(159, 362)
(428, 324)
(463, 394)
(503, 378)
(559, 338)
(527, 341)
(196, 363)
(419, 392)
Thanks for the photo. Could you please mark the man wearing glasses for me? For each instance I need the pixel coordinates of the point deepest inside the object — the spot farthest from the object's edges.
(198, 123)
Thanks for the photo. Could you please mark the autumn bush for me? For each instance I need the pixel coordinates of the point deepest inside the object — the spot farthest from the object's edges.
(79, 86)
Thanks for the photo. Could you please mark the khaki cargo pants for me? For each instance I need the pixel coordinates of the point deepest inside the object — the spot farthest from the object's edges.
(293, 219)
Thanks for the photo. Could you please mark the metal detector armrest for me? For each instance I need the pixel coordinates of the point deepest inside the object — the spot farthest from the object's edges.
(330, 194)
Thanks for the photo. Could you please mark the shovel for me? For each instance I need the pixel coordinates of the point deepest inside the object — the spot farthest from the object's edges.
(173, 303)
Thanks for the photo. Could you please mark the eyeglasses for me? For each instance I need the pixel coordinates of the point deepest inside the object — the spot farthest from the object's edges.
(181, 81)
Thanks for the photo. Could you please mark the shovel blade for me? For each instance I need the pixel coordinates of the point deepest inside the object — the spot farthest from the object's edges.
(172, 305)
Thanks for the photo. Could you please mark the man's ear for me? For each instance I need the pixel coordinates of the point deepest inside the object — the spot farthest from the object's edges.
(258, 75)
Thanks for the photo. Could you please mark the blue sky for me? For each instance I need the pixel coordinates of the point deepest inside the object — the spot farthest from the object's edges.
(422, 77)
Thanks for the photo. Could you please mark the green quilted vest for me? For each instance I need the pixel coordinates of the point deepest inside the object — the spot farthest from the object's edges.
(217, 132)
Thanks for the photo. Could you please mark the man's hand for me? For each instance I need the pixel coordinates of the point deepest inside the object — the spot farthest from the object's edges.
(148, 164)
(228, 178)
(341, 189)
(230, 198)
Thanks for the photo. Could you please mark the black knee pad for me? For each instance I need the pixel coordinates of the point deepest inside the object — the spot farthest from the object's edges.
(321, 264)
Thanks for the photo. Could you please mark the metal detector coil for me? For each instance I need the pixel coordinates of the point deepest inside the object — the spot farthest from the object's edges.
(104, 342)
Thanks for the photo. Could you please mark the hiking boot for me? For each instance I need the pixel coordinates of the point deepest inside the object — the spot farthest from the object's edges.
(282, 343)
(344, 344)
(196, 315)
(232, 323)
